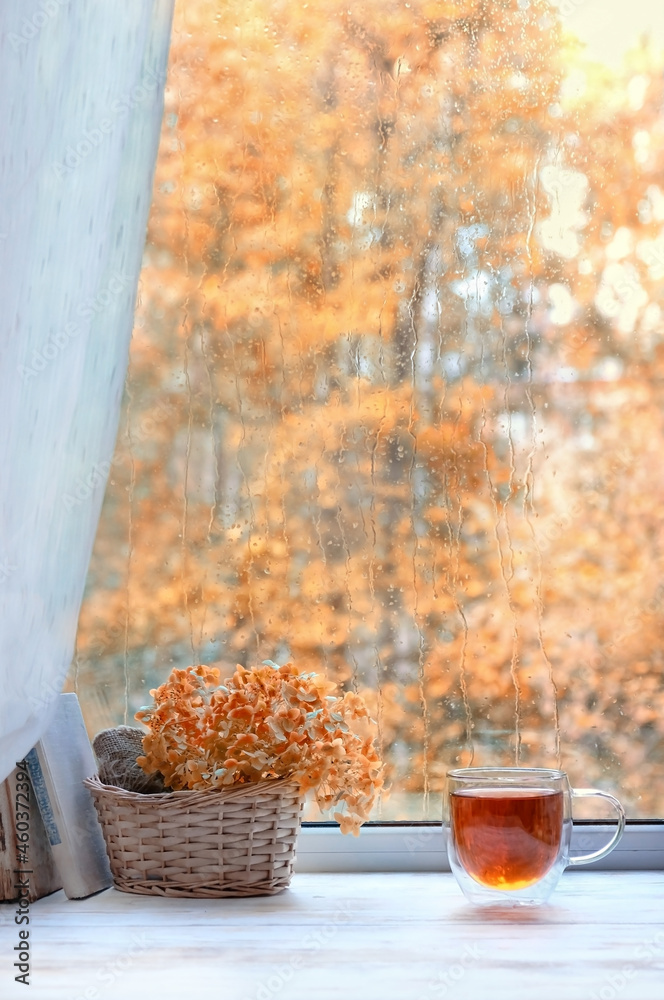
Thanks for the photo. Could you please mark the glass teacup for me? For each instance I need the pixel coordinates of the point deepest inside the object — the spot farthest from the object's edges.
(509, 831)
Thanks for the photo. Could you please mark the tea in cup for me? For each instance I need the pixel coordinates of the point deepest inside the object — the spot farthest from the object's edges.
(509, 831)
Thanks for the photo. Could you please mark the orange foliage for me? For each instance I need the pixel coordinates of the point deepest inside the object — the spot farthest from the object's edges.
(394, 397)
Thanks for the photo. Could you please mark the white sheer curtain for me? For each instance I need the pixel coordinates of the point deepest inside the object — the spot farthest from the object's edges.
(81, 88)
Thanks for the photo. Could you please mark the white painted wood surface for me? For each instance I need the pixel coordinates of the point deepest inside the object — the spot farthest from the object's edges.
(357, 937)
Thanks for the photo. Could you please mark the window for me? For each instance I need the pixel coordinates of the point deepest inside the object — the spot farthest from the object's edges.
(394, 401)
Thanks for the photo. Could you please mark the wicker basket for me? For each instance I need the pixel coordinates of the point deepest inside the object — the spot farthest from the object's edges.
(238, 841)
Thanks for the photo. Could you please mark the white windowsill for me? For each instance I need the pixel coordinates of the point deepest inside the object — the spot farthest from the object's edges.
(353, 937)
(422, 848)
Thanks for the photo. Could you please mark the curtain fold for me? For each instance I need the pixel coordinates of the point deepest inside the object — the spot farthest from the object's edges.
(80, 114)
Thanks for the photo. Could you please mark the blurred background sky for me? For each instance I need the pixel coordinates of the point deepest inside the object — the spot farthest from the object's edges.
(610, 27)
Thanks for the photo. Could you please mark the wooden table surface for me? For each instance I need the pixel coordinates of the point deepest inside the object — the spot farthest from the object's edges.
(357, 937)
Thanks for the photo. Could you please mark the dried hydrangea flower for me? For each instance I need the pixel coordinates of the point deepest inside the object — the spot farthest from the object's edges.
(261, 723)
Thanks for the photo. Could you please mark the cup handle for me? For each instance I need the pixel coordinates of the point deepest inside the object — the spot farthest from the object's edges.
(587, 793)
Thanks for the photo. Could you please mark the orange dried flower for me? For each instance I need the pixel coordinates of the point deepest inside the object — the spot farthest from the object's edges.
(264, 722)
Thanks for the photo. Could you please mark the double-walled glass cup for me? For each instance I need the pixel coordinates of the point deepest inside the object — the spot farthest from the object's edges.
(509, 831)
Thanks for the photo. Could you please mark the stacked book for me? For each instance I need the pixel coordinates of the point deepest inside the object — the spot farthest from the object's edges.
(57, 766)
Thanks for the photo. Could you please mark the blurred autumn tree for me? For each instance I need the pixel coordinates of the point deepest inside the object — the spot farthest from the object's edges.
(393, 407)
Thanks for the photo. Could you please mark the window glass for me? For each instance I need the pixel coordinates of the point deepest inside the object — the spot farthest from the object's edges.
(394, 407)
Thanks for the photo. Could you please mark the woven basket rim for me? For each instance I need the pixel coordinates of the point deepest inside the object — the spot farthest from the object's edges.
(247, 790)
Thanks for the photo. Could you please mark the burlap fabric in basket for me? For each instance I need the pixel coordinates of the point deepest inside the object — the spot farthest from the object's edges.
(238, 841)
